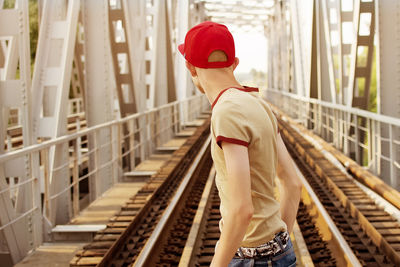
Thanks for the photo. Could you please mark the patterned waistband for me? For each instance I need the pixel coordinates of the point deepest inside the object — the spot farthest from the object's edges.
(270, 248)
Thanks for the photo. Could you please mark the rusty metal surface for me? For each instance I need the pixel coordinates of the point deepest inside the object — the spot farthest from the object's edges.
(132, 226)
(372, 233)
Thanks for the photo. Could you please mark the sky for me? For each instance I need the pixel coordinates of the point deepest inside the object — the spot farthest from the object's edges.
(251, 49)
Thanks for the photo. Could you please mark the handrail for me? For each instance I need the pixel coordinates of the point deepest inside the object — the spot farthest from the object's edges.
(372, 143)
(368, 114)
(62, 139)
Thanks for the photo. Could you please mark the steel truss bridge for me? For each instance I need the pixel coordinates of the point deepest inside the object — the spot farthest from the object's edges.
(107, 88)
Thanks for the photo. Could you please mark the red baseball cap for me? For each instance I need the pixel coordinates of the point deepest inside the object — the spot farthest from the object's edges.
(203, 39)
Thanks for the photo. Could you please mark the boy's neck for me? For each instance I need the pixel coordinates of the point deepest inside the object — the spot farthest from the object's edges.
(213, 88)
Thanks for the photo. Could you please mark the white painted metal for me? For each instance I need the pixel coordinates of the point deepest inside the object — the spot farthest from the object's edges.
(99, 93)
(193, 107)
(359, 72)
(356, 25)
(328, 81)
(79, 228)
(182, 77)
(248, 16)
(153, 30)
(121, 58)
(22, 206)
(279, 48)
(388, 73)
(345, 49)
(162, 86)
(77, 79)
(50, 88)
(301, 20)
(135, 17)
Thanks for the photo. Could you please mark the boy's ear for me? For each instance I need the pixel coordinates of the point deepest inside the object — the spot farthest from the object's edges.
(235, 63)
(191, 68)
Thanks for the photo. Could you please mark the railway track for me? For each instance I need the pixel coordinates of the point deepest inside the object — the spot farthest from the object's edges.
(165, 245)
(126, 234)
(371, 233)
(340, 223)
(338, 239)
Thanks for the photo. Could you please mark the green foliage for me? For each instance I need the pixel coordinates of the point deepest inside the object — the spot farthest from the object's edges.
(33, 23)
(9, 4)
(362, 61)
(33, 27)
(373, 87)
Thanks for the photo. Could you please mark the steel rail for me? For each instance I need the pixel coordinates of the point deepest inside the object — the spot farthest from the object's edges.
(146, 252)
(338, 240)
(315, 162)
(364, 176)
(197, 221)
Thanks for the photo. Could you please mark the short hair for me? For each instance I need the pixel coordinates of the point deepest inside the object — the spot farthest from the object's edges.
(217, 56)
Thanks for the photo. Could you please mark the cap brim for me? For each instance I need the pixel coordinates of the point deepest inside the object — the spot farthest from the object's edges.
(181, 49)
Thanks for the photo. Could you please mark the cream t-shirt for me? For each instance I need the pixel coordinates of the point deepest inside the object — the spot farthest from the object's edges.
(242, 117)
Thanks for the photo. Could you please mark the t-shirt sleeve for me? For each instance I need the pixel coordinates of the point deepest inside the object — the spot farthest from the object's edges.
(230, 124)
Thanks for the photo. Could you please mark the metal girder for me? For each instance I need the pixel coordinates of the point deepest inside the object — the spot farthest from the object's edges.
(184, 85)
(239, 6)
(135, 29)
(50, 88)
(15, 94)
(361, 74)
(99, 92)
(328, 78)
(162, 83)
(332, 67)
(197, 13)
(301, 22)
(242, 15)
(388, 84)
(312, 39)
(121, 59)
(77, 79)
(241, 25)
(343, 52)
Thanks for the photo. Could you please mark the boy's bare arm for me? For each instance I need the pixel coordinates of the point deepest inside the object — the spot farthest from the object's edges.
(239, 205)
(291, 185)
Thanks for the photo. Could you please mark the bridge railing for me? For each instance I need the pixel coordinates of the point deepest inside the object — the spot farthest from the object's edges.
(377, 150)
(37, 193)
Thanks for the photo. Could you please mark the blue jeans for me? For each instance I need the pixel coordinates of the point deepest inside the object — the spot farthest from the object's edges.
(286, 258)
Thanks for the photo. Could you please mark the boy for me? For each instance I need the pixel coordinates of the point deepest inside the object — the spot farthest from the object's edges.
(248, 153)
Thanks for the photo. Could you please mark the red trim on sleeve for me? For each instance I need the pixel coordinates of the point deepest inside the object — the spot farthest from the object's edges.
(221, 138)
(245, 89)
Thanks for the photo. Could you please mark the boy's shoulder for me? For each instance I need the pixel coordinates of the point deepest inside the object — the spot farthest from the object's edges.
(235, 102)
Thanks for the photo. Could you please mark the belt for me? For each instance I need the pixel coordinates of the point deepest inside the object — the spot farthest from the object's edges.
(270, 248)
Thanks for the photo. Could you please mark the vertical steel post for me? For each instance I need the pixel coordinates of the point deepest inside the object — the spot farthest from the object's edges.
(99, 89)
